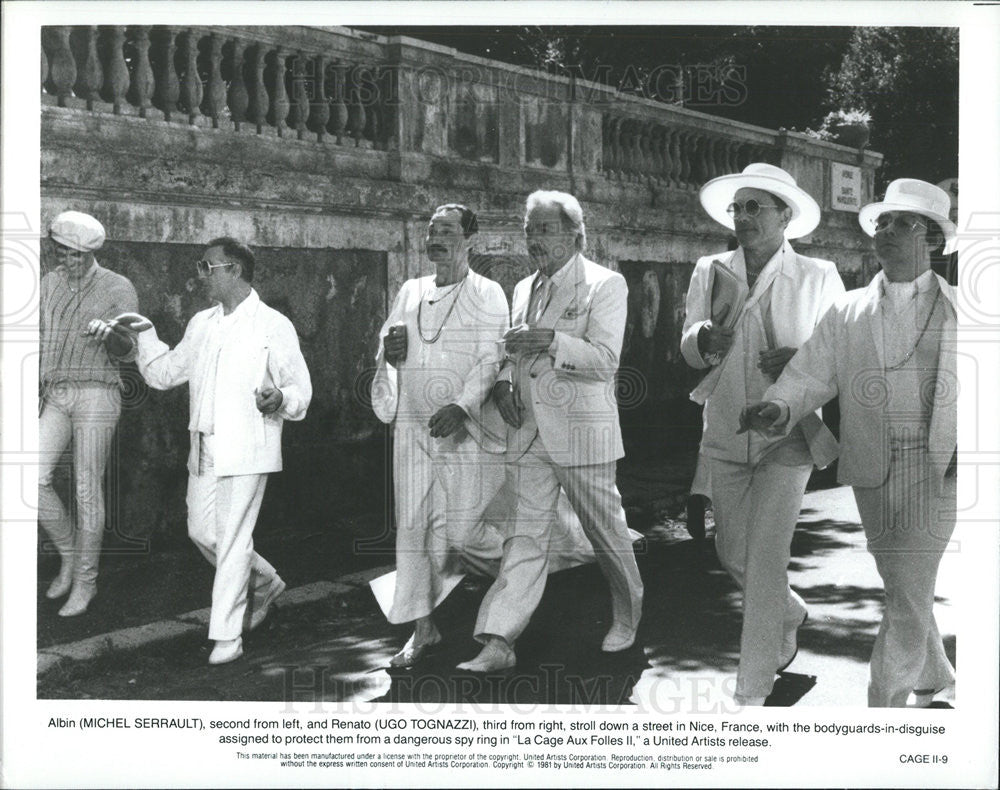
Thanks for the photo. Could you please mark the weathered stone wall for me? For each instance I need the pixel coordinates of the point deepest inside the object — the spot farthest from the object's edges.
(339, 219)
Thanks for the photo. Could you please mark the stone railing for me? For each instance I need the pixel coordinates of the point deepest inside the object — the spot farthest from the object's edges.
(338, 88)
(225, 78)
(681, 153)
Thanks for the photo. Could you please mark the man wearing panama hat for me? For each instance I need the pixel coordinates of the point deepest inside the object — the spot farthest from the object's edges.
(889, 351)
(747, 313)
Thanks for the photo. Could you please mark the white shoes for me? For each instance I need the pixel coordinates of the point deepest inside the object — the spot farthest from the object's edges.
(226, 650)
(790, 645)
(423, 640)
(496, 656)
(78, 600)
(61, 583)
(619, 638)
(276, 588)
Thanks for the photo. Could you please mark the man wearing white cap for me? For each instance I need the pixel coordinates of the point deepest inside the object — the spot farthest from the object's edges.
(81, 400)
(889, 351)
(777, 298)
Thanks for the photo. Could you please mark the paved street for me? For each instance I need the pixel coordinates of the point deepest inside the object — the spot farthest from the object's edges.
(337, 646)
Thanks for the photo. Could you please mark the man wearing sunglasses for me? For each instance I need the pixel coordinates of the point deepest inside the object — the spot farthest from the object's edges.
(889, 351)
(246, 376)
(757, 483)
(81, 401)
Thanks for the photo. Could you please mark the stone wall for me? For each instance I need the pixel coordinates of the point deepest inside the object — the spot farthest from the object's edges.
(337, 202)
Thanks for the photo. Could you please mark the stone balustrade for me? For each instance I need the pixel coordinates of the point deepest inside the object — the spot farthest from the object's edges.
(218, 78)
(680, 152)
(344, 88)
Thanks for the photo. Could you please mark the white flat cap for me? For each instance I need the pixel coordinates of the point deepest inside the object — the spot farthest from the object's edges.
(78, 231)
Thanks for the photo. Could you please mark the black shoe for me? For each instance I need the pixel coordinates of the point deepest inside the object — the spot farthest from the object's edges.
(696, 516)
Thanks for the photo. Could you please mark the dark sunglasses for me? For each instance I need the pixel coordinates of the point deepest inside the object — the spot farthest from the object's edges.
(751, 208)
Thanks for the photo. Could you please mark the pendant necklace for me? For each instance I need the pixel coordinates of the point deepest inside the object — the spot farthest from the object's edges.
(420, 309)
(920, 337)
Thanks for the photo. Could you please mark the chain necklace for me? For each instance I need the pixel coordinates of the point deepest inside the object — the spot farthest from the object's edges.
(920, 337)
(457, 290)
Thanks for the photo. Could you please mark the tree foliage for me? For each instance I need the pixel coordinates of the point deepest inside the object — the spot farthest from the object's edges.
(907, 78)
(775, 77)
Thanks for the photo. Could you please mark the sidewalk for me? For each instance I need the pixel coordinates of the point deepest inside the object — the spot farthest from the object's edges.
(327, 641)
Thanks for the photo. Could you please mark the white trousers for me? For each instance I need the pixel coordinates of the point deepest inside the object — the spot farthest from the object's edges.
(84, 415)
(442, 489)
(756, 509)
(908, 529)
(222, 513)
(528, 541)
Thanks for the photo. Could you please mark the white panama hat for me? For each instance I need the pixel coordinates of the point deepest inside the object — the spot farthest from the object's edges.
(718, 193)
(917, 197)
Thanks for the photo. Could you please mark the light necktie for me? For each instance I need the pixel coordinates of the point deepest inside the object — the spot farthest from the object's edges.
(541, 300)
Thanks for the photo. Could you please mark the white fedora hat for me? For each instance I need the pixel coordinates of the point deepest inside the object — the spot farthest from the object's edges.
(718, 193)
(917, 197)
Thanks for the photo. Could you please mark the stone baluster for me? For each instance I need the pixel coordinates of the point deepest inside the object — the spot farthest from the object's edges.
(626, 166)
(118, 79)
(279, 96)
(237, 97)
(299, 113)
(191, 90)
(606, 156)
(258, 91)
(704, 169)
(685, 144)
(338, 106)
(712, 158)
(319, 112)
(666, 163)
(614, 163)
(369, 94)
(676, 158)
(143, 83)
(732, 154)
(638, 154)
(356, 120)
(167, 86)
(90, 78)
(63, 65)
(652, 143)
(215, 93)
(45, 63)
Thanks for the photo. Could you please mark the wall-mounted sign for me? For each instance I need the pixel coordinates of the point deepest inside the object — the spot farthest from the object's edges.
(845, 183)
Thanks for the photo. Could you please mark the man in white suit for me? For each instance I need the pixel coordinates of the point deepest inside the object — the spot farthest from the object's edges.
(889, 351)
(757, 483)
(246, 376)
(556, 392)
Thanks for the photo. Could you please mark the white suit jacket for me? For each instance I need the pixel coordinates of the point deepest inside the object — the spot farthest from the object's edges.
(800, 290)
(573, 394)
(842, 356)
(262, 348)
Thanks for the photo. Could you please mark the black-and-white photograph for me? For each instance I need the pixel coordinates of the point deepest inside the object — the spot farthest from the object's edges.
(445, 366)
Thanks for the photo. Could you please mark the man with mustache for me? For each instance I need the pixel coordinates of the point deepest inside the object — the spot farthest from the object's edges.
(81, 401)
(436, 362)
(757, 484)
(889, 351)
(556, 394)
